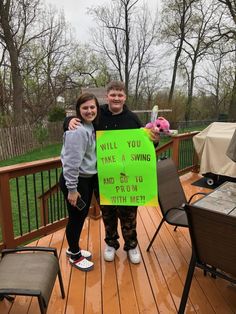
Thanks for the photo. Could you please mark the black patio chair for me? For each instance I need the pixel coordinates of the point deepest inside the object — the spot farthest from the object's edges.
(30, 274)
(213, 237)
(171, 196)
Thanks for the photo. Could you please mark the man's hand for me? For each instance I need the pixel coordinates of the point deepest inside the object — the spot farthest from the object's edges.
(155, 135)
(74, 123)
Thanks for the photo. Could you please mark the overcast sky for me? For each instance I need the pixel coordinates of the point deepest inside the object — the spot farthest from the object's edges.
(76, 13)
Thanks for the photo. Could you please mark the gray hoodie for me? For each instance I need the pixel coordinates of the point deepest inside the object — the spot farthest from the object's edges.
(78, 155)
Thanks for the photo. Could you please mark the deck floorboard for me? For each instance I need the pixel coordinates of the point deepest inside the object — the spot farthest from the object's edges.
(119, 287)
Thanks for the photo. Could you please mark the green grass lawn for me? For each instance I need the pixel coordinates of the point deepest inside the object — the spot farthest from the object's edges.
(53, 150)
(25, 191)
(25, 199)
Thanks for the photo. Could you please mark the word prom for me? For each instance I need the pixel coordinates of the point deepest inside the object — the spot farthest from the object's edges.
(126, 168)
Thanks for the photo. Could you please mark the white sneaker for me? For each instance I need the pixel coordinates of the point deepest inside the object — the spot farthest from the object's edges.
(84, 253)
(109, 253)
(134, 255)
(82, 264)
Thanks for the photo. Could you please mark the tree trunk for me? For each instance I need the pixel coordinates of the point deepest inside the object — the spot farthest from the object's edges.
(232, 106)
(15, 68)
(190, 92)
(127, 47)
(174, 74)
(179, 50)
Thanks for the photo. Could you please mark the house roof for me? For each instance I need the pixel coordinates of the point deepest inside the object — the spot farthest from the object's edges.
(99, 92)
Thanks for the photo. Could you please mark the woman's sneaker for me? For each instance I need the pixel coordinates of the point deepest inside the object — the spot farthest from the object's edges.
(82, 264)
(84, 253)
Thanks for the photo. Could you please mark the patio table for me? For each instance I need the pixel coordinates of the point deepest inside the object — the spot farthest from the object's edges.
(222, 199)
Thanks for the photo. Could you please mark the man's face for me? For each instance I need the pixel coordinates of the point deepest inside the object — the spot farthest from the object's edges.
(116, 100)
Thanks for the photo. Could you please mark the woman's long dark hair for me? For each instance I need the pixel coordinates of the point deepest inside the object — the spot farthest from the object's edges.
(81, 100)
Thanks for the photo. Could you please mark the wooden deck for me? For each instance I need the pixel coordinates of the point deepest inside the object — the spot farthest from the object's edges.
(154, 286)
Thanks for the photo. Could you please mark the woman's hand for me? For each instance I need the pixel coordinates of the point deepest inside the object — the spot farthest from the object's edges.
(72, 198)
(74, 122)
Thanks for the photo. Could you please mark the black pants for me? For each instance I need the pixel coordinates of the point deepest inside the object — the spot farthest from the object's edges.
(85, 187)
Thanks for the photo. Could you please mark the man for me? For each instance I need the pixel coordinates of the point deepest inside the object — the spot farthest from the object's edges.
(115, 115)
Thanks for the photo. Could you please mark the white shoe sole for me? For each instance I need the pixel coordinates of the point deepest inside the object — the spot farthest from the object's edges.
(83, 264)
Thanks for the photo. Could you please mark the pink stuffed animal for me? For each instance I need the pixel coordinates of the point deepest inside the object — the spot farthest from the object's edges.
(161, 123)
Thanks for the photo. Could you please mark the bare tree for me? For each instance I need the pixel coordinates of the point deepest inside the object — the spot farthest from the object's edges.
(217, 78)
(230, 5)
(3, 90)
(149, 86)
(8, 37)
(146, 37)
(57, 66)
(210, 83)
(46, 69)
(125, 36)
(197, 44)
(176, 24)
(232, 105)
(88, 68)
(17, 22)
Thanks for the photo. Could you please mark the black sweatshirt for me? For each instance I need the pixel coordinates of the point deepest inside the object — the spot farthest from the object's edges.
(108, 121)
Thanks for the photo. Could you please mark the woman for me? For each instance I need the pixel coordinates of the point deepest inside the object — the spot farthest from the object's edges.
(79, 176)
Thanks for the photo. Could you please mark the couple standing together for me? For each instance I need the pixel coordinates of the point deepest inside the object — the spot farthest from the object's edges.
(79, 176)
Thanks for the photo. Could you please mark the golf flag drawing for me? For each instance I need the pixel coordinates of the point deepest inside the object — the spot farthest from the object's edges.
(126, 163)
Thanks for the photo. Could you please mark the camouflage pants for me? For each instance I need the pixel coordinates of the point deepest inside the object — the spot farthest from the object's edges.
(127, 216)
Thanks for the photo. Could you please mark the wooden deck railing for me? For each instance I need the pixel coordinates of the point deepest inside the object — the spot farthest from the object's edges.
(181, 150)
(32, 205)
(20, 186)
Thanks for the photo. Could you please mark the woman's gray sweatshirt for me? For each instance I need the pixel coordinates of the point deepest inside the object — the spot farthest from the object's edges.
(78, 155)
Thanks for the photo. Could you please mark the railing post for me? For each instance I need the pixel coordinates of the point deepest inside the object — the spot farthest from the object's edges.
(195, 162)
(43, 210)
(94, 210)
(6, 212)
(175, 156)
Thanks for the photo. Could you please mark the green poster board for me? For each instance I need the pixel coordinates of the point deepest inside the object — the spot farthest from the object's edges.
(126, 163)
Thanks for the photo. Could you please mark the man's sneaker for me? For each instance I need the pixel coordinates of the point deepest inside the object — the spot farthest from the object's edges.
(84, 253)
(109, 253)
(134, 255)
(82, 264)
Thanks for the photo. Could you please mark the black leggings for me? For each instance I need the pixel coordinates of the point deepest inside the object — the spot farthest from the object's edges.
(77, 217)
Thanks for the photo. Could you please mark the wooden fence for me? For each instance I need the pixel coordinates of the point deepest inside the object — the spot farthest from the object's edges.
(15, 141)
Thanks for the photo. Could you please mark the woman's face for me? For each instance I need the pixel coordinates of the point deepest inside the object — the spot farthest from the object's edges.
(88, 111)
